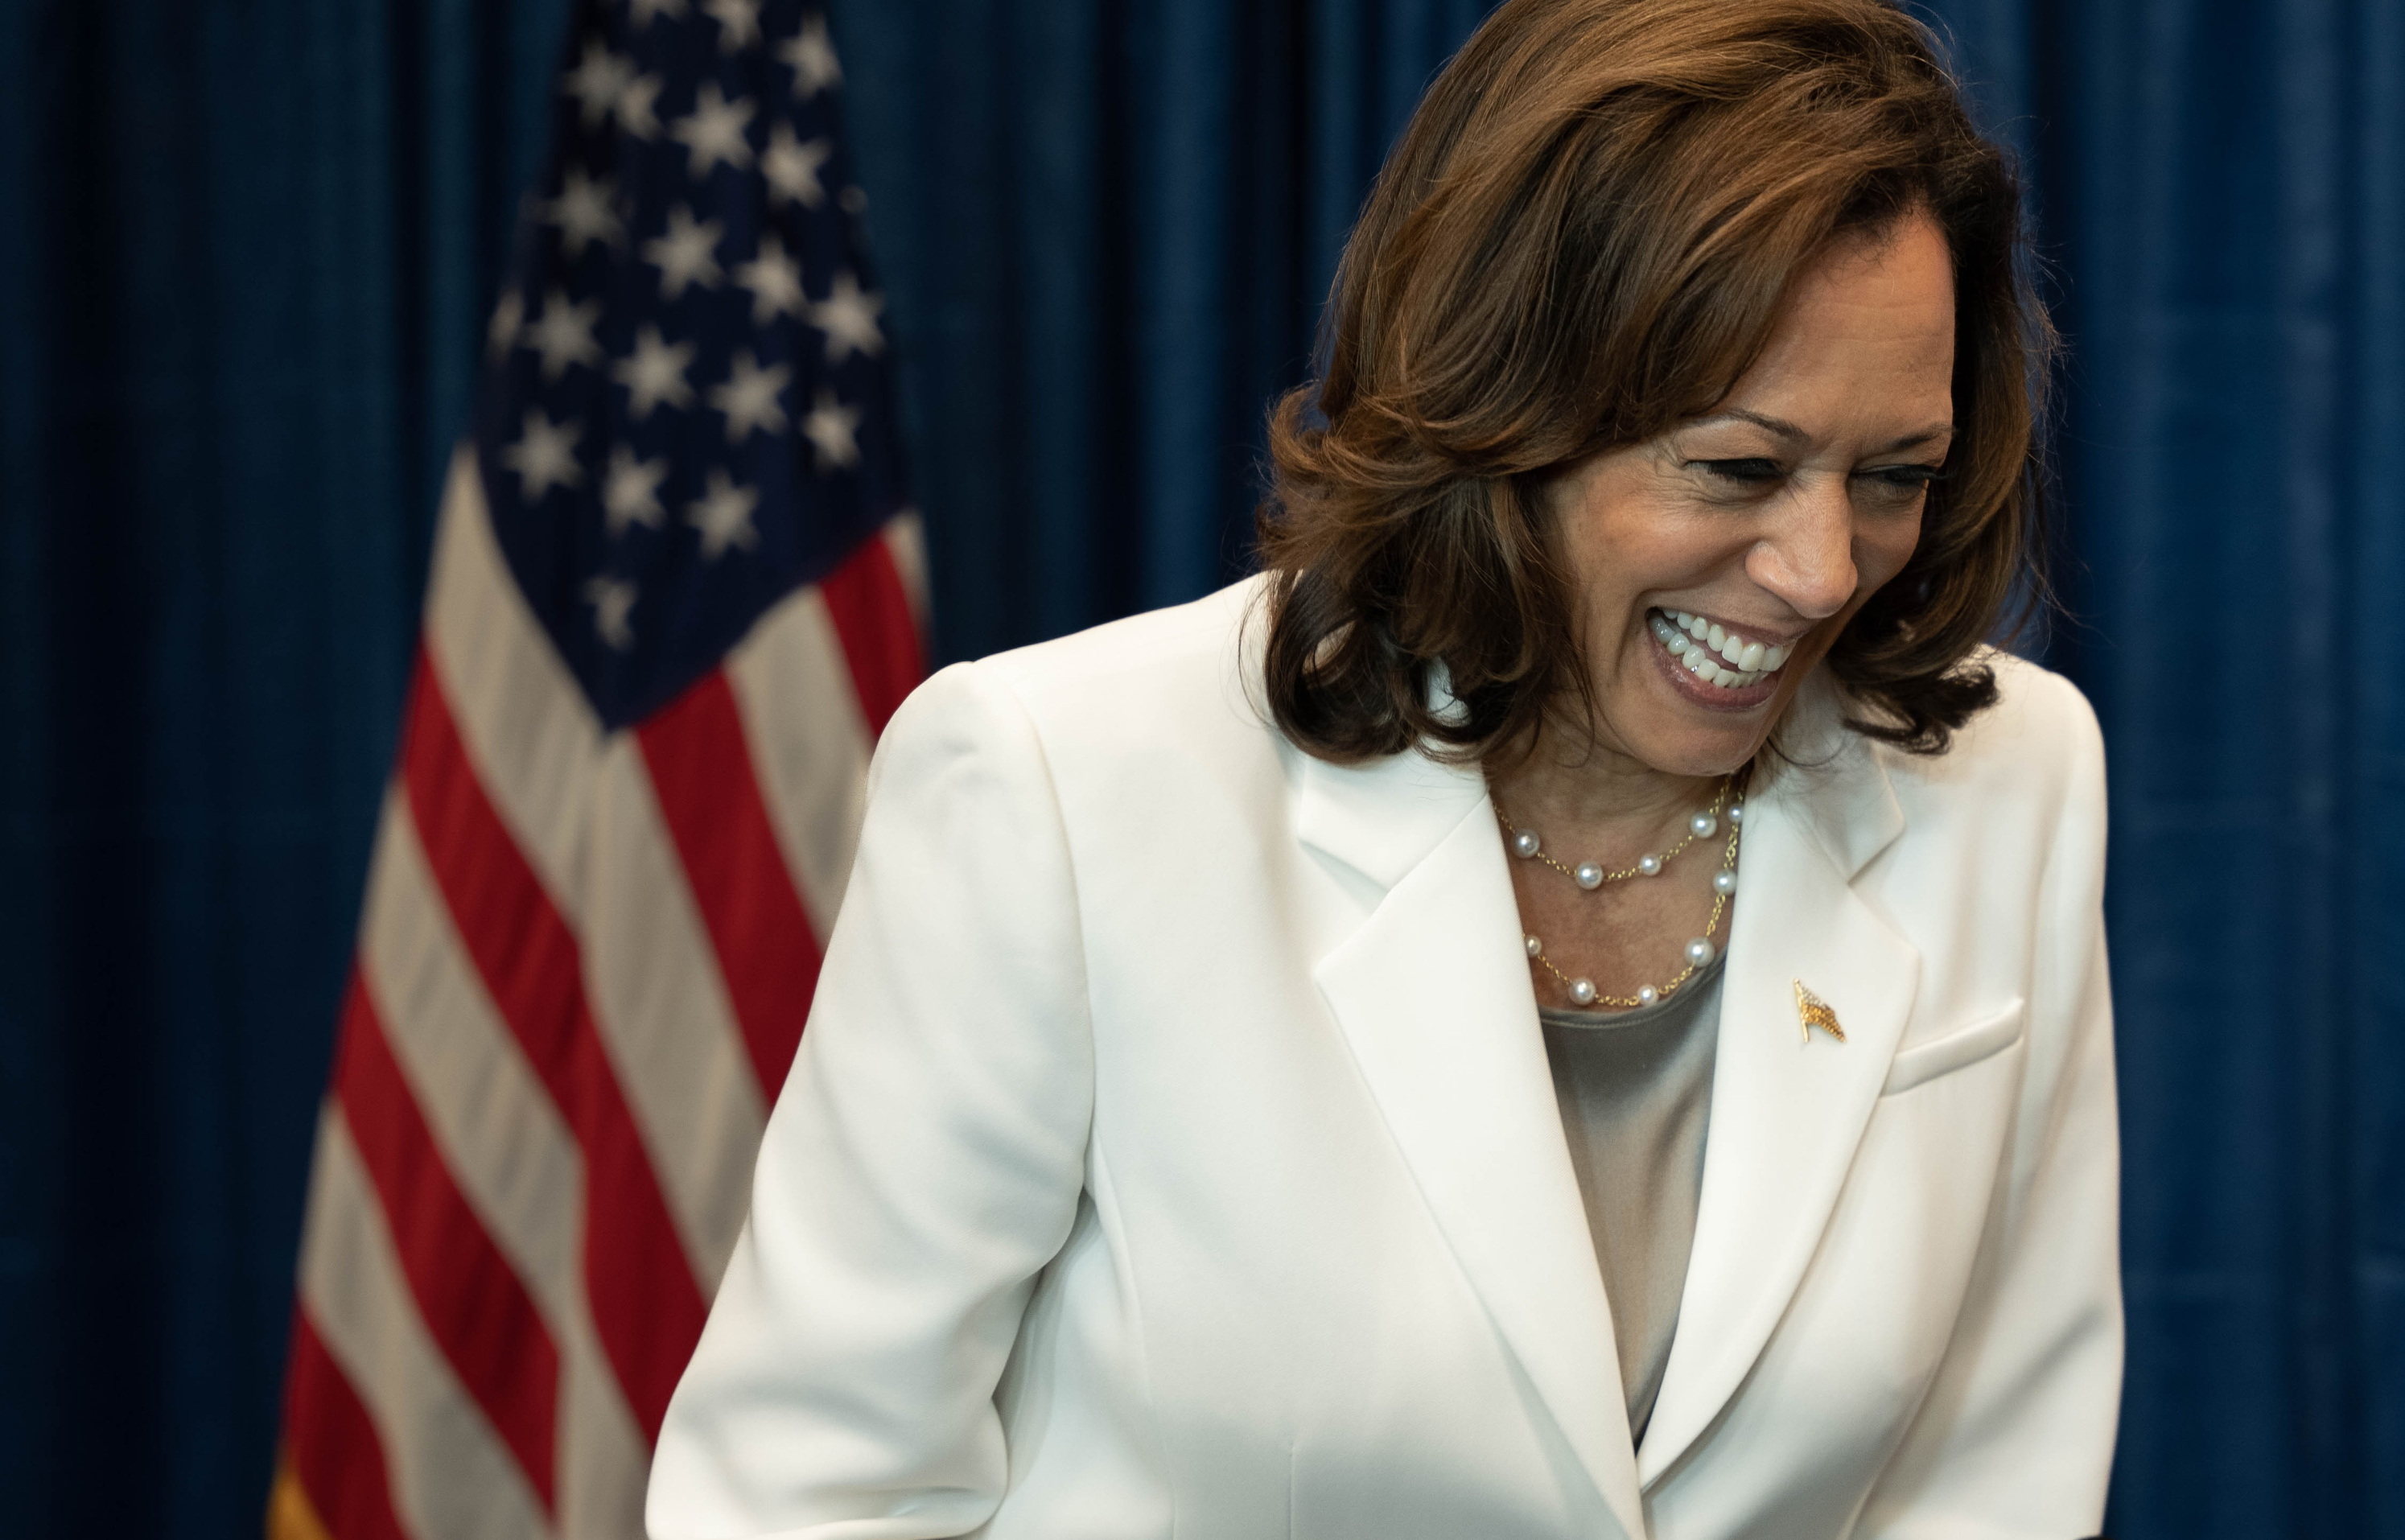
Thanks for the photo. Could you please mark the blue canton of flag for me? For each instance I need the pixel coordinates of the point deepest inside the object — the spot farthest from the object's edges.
(687, 414)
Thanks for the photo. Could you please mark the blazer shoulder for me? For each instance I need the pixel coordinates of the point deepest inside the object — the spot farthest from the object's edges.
(2044, 699)
(2038, 745)
(959, 719)
(2041, 721)
(1186, 676)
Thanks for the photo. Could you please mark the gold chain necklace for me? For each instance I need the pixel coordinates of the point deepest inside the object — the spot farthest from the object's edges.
(1590, 875)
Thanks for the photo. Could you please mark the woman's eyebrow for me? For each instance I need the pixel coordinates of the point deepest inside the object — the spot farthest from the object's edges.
(1780, 428)
(1914, 440)
(1777, 427)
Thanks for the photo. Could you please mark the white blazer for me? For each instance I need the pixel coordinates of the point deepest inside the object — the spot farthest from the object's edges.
(1171, 1151)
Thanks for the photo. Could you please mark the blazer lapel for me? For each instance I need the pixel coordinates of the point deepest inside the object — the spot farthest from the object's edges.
(1433, 995)
(1788, 1109)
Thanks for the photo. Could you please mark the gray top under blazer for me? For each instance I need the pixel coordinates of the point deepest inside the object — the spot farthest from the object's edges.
(1636, 1093)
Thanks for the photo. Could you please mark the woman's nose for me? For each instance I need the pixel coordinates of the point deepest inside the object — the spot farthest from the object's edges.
(1807, 557)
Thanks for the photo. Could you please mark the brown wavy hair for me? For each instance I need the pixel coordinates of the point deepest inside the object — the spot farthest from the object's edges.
(1580, 240)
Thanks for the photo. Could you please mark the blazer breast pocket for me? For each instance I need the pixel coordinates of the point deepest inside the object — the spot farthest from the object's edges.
(1956, 1050)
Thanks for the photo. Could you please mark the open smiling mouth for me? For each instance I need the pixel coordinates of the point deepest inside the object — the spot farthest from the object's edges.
(1717, 657)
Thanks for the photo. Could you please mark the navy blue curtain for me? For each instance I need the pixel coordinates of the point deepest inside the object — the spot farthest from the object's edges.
(246, 248)
(244, 251)
(1108, 230)
(2222, 192)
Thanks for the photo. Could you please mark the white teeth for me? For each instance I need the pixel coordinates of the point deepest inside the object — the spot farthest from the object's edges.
(1735, 661)
(1712, 672)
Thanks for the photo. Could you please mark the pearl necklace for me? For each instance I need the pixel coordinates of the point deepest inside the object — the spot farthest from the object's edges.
(1591, 876)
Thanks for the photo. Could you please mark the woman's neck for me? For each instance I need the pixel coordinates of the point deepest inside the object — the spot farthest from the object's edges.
(1598, 792)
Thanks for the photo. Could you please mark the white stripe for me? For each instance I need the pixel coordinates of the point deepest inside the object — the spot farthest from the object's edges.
(581, 809)
(529, 732)
(661, 1007)
(808, 743)
(513, 1155)
(451, 1476)
(905, 539)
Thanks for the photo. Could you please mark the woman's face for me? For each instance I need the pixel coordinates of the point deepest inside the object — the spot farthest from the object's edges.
(1770, 520)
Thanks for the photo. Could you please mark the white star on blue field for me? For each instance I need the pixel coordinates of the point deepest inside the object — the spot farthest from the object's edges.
(687, 414)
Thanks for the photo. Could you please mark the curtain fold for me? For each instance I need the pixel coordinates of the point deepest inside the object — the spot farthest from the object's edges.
(2220, 187)
(1108, 231)
(246, 251)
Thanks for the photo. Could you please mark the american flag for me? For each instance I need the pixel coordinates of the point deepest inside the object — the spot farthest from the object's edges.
(674, 598)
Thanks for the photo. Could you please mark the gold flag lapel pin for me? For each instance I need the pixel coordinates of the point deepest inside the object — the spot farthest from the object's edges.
(1812, 1011)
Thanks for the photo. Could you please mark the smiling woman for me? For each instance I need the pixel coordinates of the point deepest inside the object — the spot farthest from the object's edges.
(1751, 523)
(1584, 238)
(1572, 1005)
(1713, 565)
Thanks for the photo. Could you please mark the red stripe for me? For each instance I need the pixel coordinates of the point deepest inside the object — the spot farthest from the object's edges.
(880, 636)
(335, 1455)
(701, 767)
(475, 1306)
(647, 1308)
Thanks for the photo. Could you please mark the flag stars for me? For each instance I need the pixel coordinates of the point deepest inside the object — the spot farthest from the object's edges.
(748, 398)
(686, 253)
(754, 322)
(630, 492)
(637, 107)
(508, 317)
(654, 372)
(829, 424)
(775, 281)
(599, 82)
(564, 335)
(847, 315)
(544, 456)
(739, 22)
(582, 212)
(713, 134)
(614, 602)
(792, 167)
(811, 57)
(724, 516)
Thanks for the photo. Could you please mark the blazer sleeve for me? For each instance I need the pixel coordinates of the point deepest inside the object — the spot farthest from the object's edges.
(922, 1166)
(2015, 1438)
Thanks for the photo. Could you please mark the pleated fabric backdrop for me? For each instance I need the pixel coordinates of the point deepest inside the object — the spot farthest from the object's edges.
(2222, 189)
(246, 248)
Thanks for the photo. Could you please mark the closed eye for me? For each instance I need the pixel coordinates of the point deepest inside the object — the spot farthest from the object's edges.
(1894, 488)
(1745, 472)
(1905, 475)
(1891, 484)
